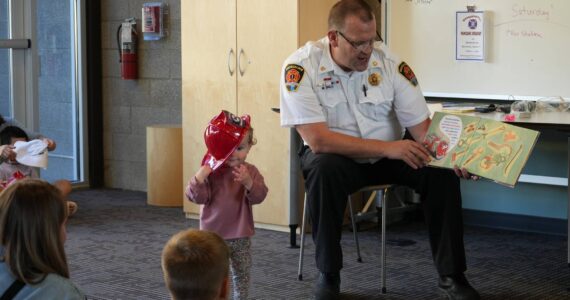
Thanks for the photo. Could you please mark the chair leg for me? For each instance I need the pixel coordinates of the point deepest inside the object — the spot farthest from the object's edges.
(302, 248)
(383, 254)
(354, 230)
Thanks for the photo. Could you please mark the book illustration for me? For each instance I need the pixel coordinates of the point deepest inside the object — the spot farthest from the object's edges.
(484, 147)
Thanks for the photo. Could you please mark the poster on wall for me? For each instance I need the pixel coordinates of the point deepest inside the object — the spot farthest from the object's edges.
(470, 36)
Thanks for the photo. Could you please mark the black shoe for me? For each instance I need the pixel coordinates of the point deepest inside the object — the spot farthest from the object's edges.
(328, 286)
(456, 287)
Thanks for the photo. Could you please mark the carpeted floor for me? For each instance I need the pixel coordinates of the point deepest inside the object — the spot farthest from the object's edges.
(115, 239)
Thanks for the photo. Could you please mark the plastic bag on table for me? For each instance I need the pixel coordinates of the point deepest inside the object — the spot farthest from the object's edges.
(523, 106)
(549, 104)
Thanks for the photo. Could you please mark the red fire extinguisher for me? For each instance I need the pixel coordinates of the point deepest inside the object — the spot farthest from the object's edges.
(127, 45)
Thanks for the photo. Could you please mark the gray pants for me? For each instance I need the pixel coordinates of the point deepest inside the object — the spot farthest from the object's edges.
(240, 263)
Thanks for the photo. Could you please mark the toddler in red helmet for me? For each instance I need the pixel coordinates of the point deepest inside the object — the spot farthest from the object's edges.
(227, 186)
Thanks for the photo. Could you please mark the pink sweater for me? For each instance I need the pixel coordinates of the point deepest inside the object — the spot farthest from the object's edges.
(226, 204)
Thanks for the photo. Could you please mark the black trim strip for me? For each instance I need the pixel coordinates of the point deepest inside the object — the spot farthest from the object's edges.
(94, 94)
(515, 222)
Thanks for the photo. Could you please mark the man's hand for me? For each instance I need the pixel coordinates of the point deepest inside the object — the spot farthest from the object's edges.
(411, 152)
(463, 173)
(241, 175)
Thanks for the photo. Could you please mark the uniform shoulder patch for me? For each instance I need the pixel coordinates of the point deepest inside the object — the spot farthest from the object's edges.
(407, 72)
(293, 76)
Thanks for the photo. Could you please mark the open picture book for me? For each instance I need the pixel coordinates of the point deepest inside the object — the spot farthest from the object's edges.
(486, 148)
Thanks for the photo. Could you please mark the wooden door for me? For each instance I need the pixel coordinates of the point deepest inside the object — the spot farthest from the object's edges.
(208, 41)
(266, 35)
(268, 31)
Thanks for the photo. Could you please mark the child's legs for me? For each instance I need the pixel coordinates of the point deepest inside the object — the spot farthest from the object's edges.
(240, 261)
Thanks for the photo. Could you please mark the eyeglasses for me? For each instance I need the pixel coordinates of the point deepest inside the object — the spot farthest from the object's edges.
(360, 46)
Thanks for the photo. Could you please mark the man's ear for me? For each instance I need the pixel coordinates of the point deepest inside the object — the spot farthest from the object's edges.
(224, 289)
(333, 38)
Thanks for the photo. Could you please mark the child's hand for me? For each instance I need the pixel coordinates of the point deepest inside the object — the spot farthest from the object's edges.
(203, 173)
(7, 153)
(50, 144)
(241, 175)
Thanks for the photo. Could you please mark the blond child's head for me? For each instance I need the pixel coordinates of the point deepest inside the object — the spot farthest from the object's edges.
(195, 264)
(239, 155)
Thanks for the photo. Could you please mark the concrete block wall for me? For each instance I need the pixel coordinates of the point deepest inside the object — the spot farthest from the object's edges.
(129, 106)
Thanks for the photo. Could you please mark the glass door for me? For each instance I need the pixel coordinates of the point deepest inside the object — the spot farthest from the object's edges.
(46, 81)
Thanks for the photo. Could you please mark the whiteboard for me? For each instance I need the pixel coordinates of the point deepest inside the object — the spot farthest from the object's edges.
(527, 48)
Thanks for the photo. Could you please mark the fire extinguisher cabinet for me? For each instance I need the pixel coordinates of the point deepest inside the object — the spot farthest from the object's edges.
(165, 186)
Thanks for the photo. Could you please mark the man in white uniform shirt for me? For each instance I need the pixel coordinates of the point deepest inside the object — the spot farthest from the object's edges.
(351, 101)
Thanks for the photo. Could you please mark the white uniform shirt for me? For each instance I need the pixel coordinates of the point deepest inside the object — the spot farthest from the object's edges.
(378, 103)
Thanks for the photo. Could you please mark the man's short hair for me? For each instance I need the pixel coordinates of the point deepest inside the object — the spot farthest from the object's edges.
(195, 264)
(344, 8)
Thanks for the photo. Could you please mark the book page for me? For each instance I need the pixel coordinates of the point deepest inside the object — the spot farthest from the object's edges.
(448, 138)
(487, 148)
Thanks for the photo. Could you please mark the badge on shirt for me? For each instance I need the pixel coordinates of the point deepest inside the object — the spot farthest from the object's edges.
(407, 72)
(293, 76)
(328, 83)
(374, 79)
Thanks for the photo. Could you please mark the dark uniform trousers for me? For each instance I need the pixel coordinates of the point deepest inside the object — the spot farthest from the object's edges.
(330, 178)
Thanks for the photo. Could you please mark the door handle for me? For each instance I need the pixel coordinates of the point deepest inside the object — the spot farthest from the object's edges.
(241, 52)
(15, 43)
(229, 66)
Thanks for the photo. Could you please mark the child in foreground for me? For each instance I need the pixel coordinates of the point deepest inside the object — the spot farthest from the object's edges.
(33, 263)
(227, 186)
(195, 264)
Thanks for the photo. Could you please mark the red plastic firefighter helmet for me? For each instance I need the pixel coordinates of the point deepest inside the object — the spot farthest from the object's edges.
(223, 135)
